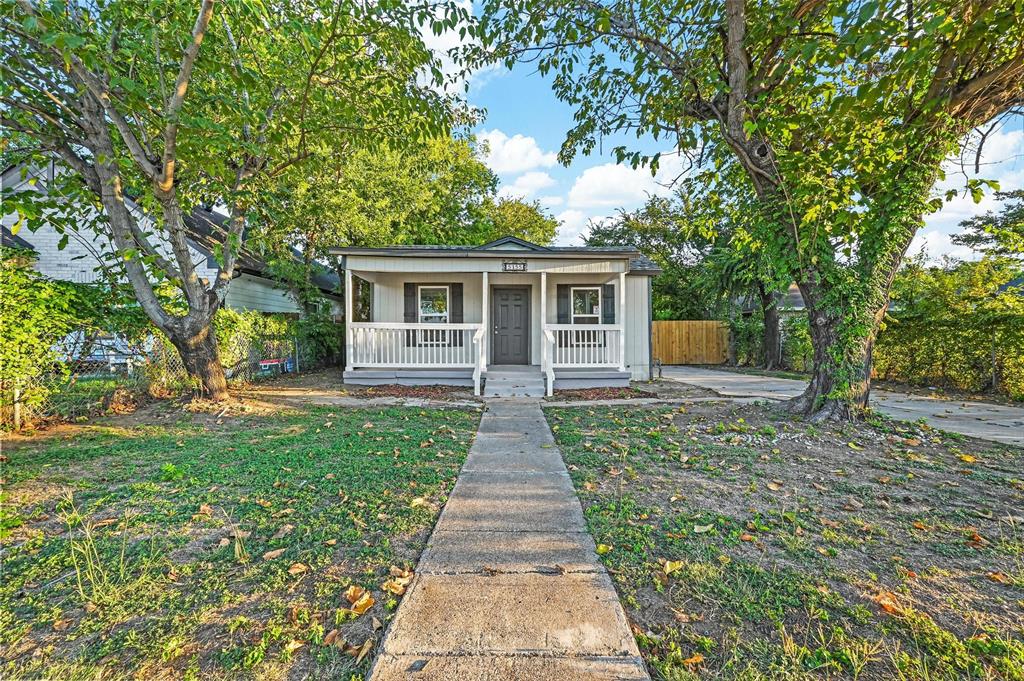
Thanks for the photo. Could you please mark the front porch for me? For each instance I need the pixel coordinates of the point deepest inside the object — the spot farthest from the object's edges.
(553, 320)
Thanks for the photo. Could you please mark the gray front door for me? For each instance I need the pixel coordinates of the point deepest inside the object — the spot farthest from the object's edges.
(511, 315)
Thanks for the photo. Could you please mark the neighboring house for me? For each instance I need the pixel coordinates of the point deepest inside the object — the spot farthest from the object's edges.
(522, 317)
(253, 288)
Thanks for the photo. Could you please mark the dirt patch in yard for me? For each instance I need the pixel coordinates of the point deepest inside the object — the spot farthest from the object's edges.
(749, 544)
(598, 394)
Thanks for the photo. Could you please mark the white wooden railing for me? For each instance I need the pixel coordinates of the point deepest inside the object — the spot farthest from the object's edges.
(584, 345)
(416, 346)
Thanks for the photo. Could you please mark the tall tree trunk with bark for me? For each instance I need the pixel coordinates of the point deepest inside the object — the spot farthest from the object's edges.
(772, 341)
(201, 359)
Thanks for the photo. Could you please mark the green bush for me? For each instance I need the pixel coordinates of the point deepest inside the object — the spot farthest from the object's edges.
(959, 326)
(797, 351)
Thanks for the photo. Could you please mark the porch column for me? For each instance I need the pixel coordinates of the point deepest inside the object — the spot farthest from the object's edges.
(348, 319)
(485, 316)
(543, 321)
(620, 317)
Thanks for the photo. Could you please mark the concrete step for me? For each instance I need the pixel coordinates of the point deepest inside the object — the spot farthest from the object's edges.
(518, 383)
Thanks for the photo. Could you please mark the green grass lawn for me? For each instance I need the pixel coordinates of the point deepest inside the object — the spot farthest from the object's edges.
(202, 549)
(749, 545)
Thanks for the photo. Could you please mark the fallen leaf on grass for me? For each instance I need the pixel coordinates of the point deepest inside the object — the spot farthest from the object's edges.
(746, 537)
(376, 624)
(775, 485)
(61, 625)
(360, 652)
(284, 531)
(283, 512)
(968, 458)
(671, 566)
(995, 576)
(359, 598)
(297, 569)
(888, 602)
(417, 502)
(271, 555)
(693, 661)
(224, 541)
(330, 542)
(293, 645)
(107, 521)
(602, 549)
(391, 586)
(702, 529)
(854, 446)
(331, 637)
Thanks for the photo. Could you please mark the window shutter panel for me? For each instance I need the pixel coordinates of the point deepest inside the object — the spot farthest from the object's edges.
(456, 314)
(410, 313)
(608, 304)
(562, 299)
(562, 307)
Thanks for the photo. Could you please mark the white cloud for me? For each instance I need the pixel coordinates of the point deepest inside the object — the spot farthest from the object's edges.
(1001, 161)
(515, 154)
(574, 223)
(612, 185)
(551, 201)
(527, 184)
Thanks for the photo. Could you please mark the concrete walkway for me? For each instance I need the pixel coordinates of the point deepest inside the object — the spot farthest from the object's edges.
(509, 586)
(976, 419)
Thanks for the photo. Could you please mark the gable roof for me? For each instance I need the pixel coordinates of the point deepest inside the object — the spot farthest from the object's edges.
(512, 241)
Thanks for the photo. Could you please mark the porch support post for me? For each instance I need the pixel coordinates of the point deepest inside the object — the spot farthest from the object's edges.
(543, 321)
(485, 316)
(348, 319)
(620, 317)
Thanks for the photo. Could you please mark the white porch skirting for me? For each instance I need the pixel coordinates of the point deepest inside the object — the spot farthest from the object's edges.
(456, 377)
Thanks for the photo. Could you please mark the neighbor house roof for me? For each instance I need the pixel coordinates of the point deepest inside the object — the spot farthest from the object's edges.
(9, 239)
(509, 246)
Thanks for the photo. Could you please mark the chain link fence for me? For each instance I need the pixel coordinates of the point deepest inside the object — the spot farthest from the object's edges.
(95, 375)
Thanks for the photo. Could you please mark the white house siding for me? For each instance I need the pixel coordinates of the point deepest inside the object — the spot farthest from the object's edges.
(247, 292)
(638, 327)
(86, 249)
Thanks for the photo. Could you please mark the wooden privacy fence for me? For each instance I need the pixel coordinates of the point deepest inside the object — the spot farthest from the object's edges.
(690, 342)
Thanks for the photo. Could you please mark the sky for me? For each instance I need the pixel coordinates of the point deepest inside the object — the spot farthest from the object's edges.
(525, 125)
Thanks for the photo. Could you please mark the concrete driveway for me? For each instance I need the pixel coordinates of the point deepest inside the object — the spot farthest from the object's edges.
(976, 419)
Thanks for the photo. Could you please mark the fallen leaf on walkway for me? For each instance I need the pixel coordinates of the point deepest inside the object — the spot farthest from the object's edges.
(271, 555)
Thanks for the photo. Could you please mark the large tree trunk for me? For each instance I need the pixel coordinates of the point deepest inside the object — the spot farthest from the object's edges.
(772, 341)
(843, 338)
(199, 354)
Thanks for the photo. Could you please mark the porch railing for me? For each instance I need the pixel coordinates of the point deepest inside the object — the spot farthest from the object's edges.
(415, 346)
(584, 345)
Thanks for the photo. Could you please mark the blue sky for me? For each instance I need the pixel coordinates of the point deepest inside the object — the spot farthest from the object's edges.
(526, 124)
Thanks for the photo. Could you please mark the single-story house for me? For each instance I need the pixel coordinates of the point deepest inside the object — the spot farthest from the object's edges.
(509, 317)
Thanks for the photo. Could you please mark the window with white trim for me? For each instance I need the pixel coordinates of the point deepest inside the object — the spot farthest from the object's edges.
(585, 304)
(433, 308)
(585, 308)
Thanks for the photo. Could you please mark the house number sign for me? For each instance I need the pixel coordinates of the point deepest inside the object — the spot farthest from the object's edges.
(513, 265)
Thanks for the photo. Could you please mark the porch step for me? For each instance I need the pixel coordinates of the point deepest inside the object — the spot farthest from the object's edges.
(519, 381)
